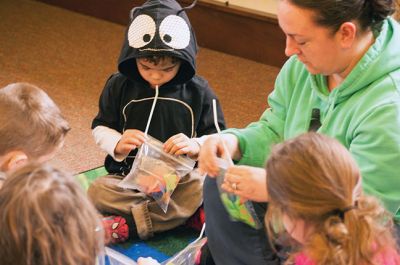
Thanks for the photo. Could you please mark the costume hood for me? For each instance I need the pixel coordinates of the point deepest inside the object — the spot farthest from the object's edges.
(159, 27)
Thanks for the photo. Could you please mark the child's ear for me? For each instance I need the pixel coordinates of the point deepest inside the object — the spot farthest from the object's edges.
(13, 160)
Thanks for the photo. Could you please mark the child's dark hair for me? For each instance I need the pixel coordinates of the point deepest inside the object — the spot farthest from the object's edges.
(46, 219)
(314, 178)
(156, 59)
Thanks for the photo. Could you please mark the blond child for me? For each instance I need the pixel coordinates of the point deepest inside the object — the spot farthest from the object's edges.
(31, 126)
(314, 189)
(46, 219)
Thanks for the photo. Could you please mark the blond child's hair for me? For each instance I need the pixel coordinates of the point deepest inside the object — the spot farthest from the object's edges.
(30, 121)
(46, 219)
(314, 178)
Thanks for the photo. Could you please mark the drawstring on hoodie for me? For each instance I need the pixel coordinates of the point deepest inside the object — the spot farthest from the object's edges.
(326, 113)
(151, 111)
(329, 112)
(227, 154)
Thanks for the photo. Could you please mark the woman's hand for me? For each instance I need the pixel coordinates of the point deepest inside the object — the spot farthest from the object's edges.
(213, 148)
(180, 144)
(130, 140)
(210, 151)
(249, 183)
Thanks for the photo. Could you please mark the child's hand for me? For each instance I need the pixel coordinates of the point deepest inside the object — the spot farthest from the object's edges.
(130, 140)
(180, 144)
(147, 261)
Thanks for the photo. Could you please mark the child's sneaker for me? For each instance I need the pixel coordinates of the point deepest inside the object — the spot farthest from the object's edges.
(197, 220)
(116, 229)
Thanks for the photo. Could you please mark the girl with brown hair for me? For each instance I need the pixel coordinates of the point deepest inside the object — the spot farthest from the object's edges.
(314, 189)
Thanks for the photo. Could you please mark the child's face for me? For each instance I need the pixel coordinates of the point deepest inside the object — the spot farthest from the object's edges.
(158, 74)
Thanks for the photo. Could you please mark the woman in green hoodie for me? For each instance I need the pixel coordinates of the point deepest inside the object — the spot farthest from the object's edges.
(342, 80)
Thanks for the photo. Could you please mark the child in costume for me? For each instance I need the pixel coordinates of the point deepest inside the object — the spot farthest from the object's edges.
(157, 61)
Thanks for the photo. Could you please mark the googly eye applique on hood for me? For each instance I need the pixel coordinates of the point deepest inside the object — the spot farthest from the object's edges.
(159, 27)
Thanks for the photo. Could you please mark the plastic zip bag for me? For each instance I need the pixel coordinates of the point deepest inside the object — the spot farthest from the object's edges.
(190, 254)
(243, 212)
(156, 172)
(116, 258)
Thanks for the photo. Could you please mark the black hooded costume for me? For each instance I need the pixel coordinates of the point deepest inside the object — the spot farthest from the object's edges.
(184, 105)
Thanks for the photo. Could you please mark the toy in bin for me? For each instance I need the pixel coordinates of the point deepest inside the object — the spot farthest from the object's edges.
(156, 172)
(243, 212)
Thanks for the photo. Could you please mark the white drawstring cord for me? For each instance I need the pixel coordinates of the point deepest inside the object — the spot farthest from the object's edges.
(151, 111)
(228, 155)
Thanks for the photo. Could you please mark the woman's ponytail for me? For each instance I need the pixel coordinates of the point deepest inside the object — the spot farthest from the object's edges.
(375, 11)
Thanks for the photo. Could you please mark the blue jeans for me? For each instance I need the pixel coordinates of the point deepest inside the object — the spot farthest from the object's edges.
(234, 242)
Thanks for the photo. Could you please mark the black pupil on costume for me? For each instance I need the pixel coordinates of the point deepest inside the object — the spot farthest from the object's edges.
(146, 37)
(167, 38)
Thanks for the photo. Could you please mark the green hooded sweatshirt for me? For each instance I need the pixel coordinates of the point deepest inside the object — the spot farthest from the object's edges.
(363, 113)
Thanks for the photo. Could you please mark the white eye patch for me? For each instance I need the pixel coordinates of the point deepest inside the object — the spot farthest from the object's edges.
(141, 31)
(174, 32)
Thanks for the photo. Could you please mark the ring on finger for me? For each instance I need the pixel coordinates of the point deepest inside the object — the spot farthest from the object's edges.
(234, 186)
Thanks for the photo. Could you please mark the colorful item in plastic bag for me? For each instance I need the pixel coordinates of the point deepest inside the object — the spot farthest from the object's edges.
(156, 172)
(243, 212)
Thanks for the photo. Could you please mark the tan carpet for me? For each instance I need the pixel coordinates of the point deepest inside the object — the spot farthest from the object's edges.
(71, 55)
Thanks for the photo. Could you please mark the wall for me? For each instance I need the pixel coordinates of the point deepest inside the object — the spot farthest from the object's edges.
(252, 33)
